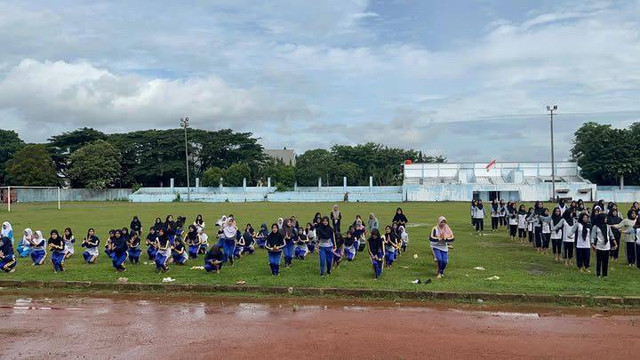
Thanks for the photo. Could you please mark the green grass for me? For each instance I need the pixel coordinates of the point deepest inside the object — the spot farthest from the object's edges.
(521, 269)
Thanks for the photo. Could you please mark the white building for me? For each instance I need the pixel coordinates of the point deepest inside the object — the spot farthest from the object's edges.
(508, 181)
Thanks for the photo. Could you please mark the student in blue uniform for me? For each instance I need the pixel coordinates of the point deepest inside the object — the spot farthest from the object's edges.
(178, 252)
(133, 248)
(326, 245)
(151, 243)
(376, 253)
(163, 244)
(214, 259)
(119, 250)
(38, 248)
(24, 248)
(248, 240)
(359, 233)
(301, 248)
(289, 233)
(440, 237)
(7, 258)
(274, 245)
(56, 246)
(391, 245)
(338, 253)
(229, 231)
(90, 243)
(261, 237)
(69, 240)
(108, 246)
(136, 226)
(399, 218)
(350, 249)
(158, 224)
(7, 230)
(192, 240)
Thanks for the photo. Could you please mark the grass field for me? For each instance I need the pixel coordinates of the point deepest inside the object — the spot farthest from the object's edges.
(519, 268)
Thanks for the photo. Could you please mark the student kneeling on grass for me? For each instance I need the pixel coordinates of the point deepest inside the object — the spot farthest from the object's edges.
(7, 259)
(376, 253)
(301, 250)
(192, 239)
(56, 246)
(178, 252)
(38, 245)
(163, 244)
(441, 235)
(133, 248)
(151, 243)
(274, 245)
(213, 259)
(90, 243)
(118, 251)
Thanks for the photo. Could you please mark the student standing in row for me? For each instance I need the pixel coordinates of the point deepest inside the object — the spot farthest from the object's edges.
(440, 238)
(478, 216)
(336, 218)
(495, 214)
(90, 243)
(522, 224)
(274, 245)
(602, 241)
(614, 219)
(628, 227)
(583, 243)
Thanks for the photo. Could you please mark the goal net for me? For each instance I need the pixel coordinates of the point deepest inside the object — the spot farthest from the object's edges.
(11, 195)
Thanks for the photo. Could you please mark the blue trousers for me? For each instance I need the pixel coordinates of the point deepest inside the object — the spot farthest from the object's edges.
(288, 253)
(229, 247)
(326, 259)
(37, 256)
(443, 259)
(23, 251)
(350, 252)
(179, 258)
(193, 251)
(209, 267)
(300, 253)
(274, 261)
(390, 256)
(88, 257)
(249, 249)
(134, 255)
(377, 265)
(151, 251)
(8, 263)
(203, 249)
(57, 259)
(161, 262)
(311, 246)
(118, 260)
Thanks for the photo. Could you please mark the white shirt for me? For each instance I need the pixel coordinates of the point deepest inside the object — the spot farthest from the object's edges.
(598, 238)
(581, 242)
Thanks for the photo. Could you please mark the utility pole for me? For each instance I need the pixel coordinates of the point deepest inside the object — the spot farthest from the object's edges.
(184, 122)
(551, 109)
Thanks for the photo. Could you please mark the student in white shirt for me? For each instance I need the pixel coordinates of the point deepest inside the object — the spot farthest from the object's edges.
(478, 216)
(602, 241)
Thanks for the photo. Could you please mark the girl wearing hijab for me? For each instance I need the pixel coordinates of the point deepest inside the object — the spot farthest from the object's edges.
(7, 231)
(214, 259)
(119, 251)
(326, 245)
(179, 253)
(56, 246)
(317, 219)
(90, 243)
(248, 240)
(7, 260)
(545, 231)
(338, 253)
(350, 249)
(495, 214)
(158, 224)
(440, 237)
(107, 247)
(289, 234)
(301, 249)
(24, 249)
(151, 243)
(556, 233)
(133, 248)
(169, 223)
(163, 244)
(502, 211)
(602, 241)
(522, 223)
(512, 221)
(529, 218)
(404, 238)
(311, 237)
(376, 253)
(399, 218)
(391, 245)
(274, 245)
(204, 240)
(474, 204)
(192, 240)
(69, 240)
(478, 216)
(38, 252)
(358, 233)
(373, 222)
(261, 238)
(615, 219)
(628, 227)
(336, 217)
(136, 225)
(568, 225)
(229, 230)
(583, 242)
(199, 222)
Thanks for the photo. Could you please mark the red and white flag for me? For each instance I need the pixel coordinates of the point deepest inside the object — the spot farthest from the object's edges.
(490, 165)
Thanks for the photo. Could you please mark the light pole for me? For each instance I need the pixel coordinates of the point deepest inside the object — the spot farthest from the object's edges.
(551, 109)
(184, 122)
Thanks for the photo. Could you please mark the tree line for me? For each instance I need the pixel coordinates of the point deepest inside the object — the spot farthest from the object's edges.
(88, 158)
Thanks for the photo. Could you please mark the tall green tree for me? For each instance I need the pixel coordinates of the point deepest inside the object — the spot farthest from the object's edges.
(10, 142)
(211, 177)
(235, 173)
(32, 166)
(314, 164)
(63, 145)
(95, 166)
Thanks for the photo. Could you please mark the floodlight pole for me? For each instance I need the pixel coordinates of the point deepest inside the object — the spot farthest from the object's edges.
(184, 122)
(551, 109)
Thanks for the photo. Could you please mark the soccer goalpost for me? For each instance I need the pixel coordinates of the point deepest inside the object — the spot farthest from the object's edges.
(13, 194)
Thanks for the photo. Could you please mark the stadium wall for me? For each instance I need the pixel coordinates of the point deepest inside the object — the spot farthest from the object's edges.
(51, 195)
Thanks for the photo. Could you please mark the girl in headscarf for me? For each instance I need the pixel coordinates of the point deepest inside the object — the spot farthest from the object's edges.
(615, 219)
(136, 225)
(69, 240)
(317, 219)
(440, 237)
(90, 243)
(311, 237)
(38, 252)
(583, 242)
(24, 249)
(214, 259)
(133, 248)
(274, 245)
(376, 253)
(248, 240)
(326, 245)
(602, 241)
(373, 222)
(399, 218)
(556, 233)
(158, 224)
(522, 223)
(151, 243)
(474, 204)
(261, 238)
(391, 245)
(289, 234)
(301, 248)
(628, 227)
(7, 259)
(163, 244)
(478, 216)
(229, 230)
(545, 222)
(350, 249)
(495, 214)
(568, 225)
(119, 251)
(336, 217)
(359, 233)
(502, 210)
(192, 240)
(404, 238)
(7, 230)
(56, 246)
(204, 240)
(178, 253)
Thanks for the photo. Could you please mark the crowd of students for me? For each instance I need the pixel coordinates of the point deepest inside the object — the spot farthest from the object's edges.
(176, 242)
(567, 227)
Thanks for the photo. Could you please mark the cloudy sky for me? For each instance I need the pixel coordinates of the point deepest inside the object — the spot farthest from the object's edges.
(468, 79)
